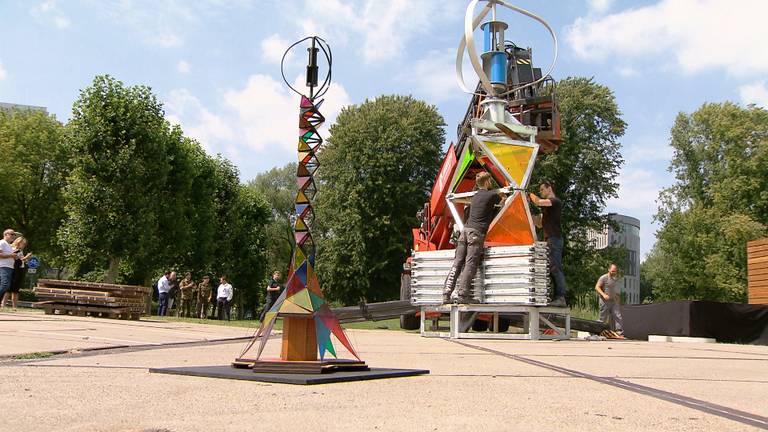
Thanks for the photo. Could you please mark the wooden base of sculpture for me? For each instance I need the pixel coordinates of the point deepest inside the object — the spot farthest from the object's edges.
(299, 339)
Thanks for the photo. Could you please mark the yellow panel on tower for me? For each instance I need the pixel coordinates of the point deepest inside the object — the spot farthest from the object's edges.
(513, 157)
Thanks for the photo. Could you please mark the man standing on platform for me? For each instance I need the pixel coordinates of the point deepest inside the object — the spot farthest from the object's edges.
(551, 213)
(610, 299)
(469, 250)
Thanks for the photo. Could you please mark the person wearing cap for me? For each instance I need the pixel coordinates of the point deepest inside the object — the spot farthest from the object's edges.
(7, 258)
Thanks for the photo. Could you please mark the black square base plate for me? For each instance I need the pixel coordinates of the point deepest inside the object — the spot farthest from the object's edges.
(229, 372)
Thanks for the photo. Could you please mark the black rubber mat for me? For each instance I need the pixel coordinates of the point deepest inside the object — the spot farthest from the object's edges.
(228, 372)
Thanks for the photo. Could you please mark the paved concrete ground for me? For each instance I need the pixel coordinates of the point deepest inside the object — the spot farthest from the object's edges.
(473, 385)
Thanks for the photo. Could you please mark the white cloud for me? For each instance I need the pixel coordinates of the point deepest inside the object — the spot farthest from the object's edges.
(638, 190)
(183, 67)
(694, 35)
(380, 30)
(599, 6)
(754, 93)
(48, 12)
(434, 76)
(260, 118)
(273, 47)
(628, 71)
(3, 73)
(164, 23)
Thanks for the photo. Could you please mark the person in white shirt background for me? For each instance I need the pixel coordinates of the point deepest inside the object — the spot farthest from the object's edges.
(224, 297)
(163, 287)
(7, 257)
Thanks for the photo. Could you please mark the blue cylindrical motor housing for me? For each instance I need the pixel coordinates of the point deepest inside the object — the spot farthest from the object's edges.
(498, 67)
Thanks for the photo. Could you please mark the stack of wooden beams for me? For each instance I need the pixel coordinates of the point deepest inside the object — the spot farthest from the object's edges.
(91, 298)
(757, 270)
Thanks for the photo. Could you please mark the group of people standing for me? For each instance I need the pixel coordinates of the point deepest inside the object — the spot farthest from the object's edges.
(194, 298)
(12, 266)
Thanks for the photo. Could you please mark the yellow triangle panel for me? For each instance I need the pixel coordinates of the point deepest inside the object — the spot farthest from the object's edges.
(300, 225)
(302, 299)
(514, 158)
(293, 308)
(303, 147)
(301, 198)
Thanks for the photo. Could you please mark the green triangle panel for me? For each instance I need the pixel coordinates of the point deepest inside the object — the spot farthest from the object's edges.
(467, 157)
(302, 299)
(317, 301)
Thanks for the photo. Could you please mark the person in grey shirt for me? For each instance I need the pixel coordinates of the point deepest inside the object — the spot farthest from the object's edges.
(610, 299)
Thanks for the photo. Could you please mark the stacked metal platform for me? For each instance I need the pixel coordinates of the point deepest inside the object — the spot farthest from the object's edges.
(508, 275)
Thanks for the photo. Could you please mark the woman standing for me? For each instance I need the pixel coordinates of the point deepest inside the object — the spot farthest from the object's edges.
(19, 270)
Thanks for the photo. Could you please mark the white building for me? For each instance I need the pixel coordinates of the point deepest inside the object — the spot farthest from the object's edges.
(628, 236)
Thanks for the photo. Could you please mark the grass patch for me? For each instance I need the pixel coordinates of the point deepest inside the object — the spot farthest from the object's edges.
(33, 355)
(584, 313)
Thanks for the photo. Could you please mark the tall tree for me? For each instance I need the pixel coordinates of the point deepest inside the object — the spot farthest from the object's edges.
(33, 173)
(119, 143)
(718, 203)
(375, 173)
(584, 170)
(278, 187)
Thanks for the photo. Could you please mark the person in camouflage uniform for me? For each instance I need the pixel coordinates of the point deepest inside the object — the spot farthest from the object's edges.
(186, 288)
(203, 297)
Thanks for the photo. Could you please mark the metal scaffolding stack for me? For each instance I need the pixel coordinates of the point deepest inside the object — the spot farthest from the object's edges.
(508, 275)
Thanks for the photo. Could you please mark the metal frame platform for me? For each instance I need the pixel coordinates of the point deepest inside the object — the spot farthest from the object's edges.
(534, 317)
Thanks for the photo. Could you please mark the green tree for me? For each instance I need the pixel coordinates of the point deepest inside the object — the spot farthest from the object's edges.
(376, 170)
(718, 203)
(278, 187)
(584, 170)
(33, 173)
(119, 152)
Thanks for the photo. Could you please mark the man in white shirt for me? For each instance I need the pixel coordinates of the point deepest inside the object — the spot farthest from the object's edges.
(163, 287)
(224, 297)
(6, 261)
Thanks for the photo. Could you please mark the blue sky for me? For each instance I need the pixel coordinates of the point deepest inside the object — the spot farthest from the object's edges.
(215, 64)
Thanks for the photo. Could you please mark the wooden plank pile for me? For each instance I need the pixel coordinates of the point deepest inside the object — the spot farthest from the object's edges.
(66, 297)
(757, 270)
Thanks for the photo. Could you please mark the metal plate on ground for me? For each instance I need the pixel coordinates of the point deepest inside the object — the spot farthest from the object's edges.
(228, 372)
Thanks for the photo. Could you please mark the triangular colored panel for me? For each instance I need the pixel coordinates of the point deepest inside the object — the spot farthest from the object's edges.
(301, 272)
(467, 157)
(300, 209)
(323, 335)
(298, 256)
(301, 237)
(292, 308)
(302, 299)
(301, 181)
(512, 227)
(301, 198)
(317, 300)
(329, 347)
(306, 103)
(513, 157)
(300, 225)
(303, 146)
(313, 285)
(293, 285)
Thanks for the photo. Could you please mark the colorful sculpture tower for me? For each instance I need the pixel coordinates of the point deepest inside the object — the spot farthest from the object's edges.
(308, 321)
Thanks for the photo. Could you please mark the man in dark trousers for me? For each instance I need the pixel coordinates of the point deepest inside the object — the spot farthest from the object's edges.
(469, 250)
(273, 292)
(551, 213)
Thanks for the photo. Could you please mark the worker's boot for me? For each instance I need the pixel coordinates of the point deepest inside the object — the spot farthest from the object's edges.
(447, 297)
(558, 302)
